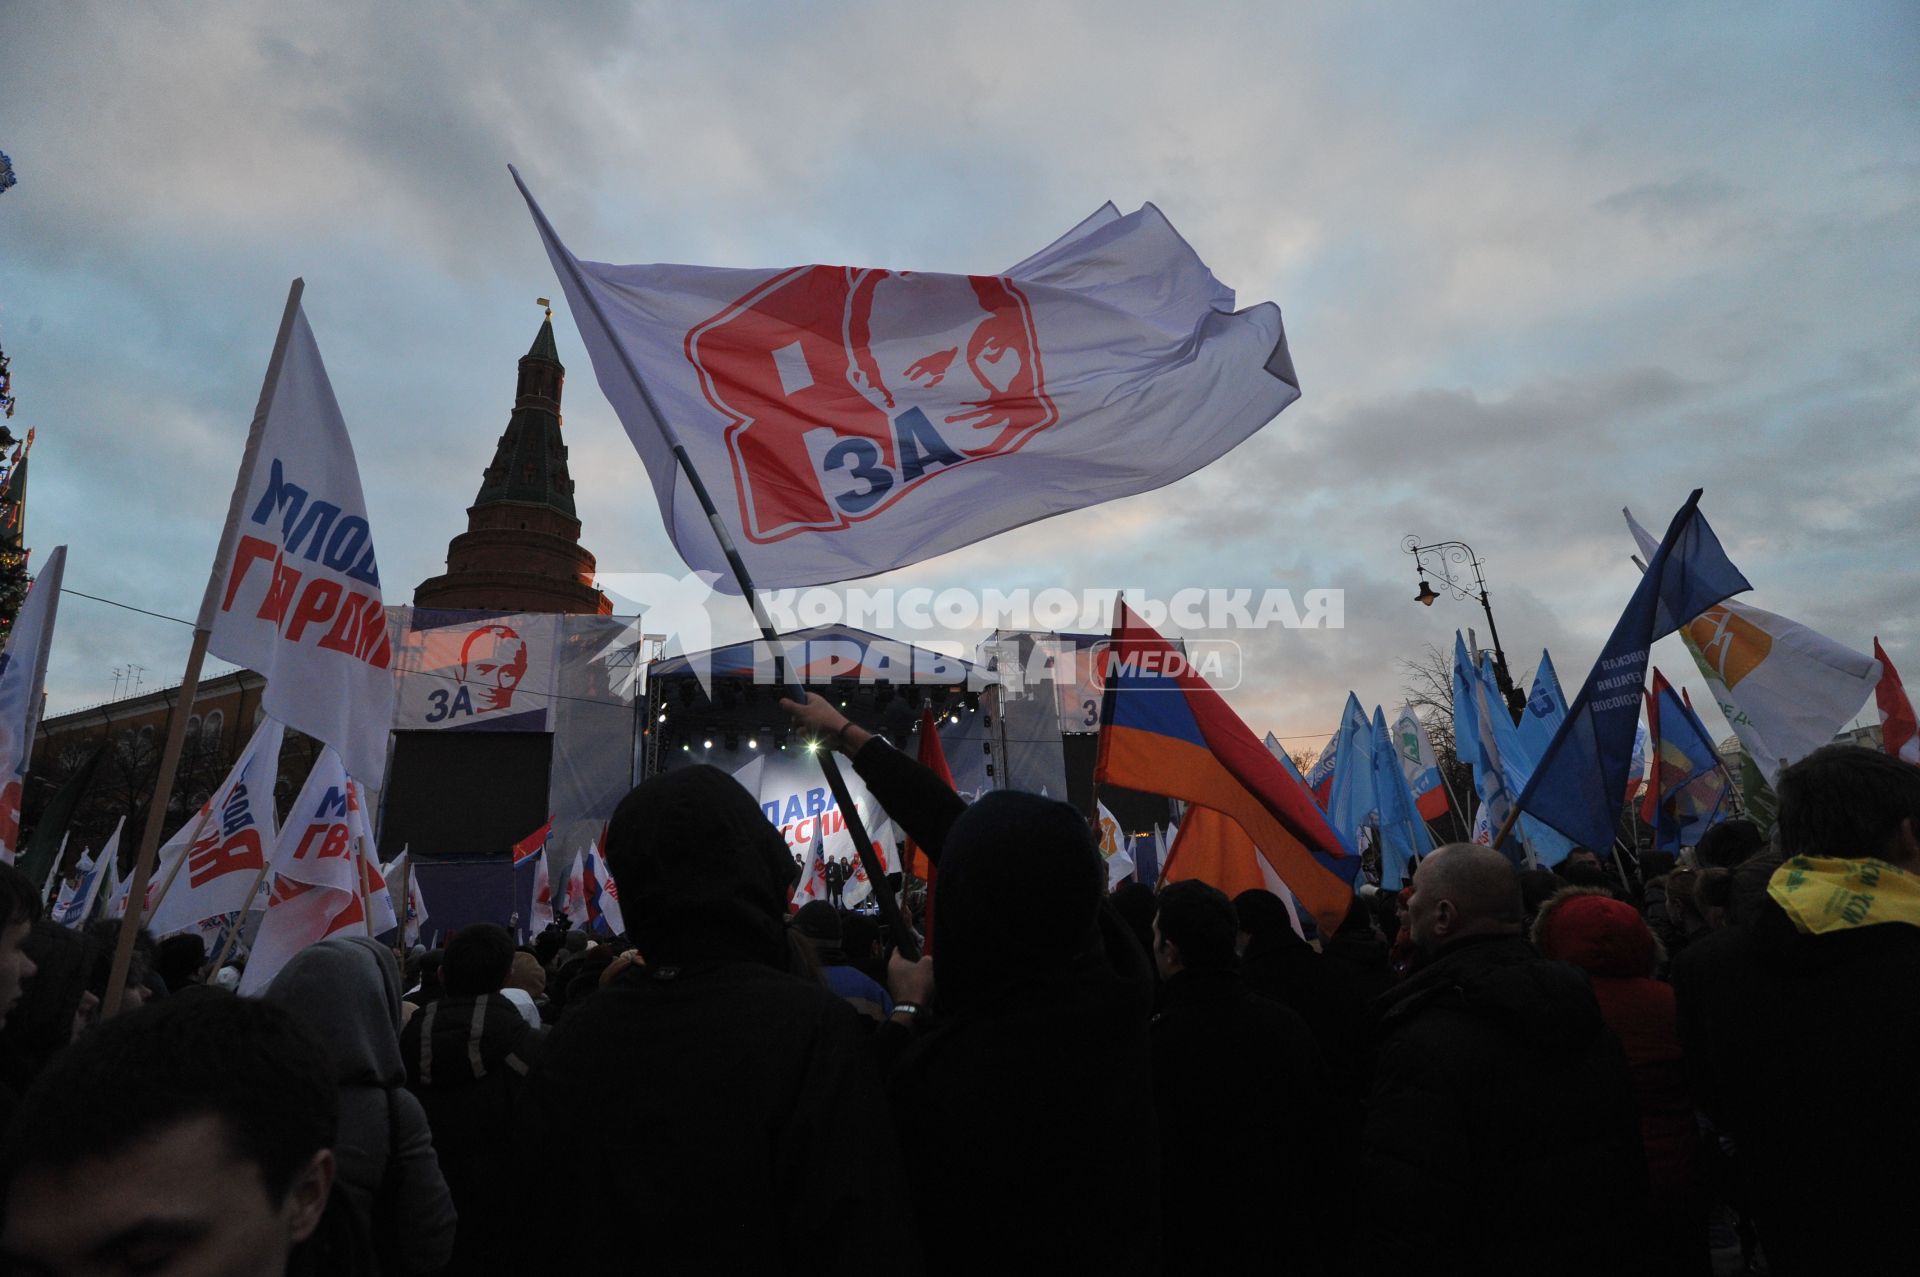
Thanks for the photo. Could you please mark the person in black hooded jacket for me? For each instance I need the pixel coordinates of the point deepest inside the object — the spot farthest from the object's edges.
(1241, 1093)
(1013, 1100)
(733, 1111)
(1501, 1134)
(467, 1054)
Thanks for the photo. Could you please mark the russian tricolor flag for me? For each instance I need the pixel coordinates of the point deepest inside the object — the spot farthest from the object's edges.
(1163, 730)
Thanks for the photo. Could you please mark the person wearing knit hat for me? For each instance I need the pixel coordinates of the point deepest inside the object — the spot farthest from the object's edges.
(733, 1108)
(1612, 943)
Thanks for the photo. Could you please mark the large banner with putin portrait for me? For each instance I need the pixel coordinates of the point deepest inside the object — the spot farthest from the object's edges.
(475, 672)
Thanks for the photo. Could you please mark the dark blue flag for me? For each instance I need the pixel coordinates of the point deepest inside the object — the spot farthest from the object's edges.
(1581, 779)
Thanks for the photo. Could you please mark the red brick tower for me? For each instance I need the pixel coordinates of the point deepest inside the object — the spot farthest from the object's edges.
(521, 551)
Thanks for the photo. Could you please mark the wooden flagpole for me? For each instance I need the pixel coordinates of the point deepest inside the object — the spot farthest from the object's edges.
(904, 938)
(361, 875)
(404, 907)
(240, 921)
(190, 681)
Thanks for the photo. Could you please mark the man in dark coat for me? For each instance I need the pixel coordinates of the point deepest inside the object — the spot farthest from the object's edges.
(1500, 1116)
(1243, 1104)
(1802, 1021)
(467, 1054)
(731, 1111)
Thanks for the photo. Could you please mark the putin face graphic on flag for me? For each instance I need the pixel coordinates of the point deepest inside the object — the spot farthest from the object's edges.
(847, 388)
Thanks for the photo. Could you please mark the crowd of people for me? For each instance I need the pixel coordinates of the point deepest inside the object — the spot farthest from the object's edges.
(1495, 1071)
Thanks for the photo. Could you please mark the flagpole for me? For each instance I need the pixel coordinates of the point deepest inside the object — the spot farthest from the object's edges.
(904, 939)
(190, 681)
(406, 899)
(360, 880)
(240, 919)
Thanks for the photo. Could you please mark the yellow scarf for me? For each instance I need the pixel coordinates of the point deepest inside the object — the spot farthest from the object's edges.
(1838, 895)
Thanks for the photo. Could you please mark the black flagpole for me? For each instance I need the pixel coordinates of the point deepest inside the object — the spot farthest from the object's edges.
(903, 936)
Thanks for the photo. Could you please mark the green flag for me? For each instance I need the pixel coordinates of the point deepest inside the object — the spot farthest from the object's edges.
(37, 856)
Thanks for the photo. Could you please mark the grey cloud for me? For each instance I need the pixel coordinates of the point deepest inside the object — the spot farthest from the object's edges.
(1691, 195)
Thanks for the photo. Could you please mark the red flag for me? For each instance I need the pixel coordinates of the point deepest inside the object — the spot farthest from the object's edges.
(1899, 734)
(1650, 803)
(530, 846)
(933, 758)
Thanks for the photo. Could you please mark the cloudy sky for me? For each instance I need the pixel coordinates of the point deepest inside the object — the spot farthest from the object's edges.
(1537, 262)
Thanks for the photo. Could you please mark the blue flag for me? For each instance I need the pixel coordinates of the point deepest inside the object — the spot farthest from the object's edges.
(1690, 781)
(1477, 714)
(1403, 834)
(1581, 779)
(1545, 844)
(1352, 804)
(1546, 710)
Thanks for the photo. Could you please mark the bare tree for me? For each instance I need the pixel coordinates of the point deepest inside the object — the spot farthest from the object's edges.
(1429, 689)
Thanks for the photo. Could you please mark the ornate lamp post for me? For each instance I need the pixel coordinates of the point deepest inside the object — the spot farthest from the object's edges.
(1444, 556)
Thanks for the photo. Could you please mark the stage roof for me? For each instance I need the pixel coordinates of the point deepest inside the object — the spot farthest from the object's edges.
(824, 654)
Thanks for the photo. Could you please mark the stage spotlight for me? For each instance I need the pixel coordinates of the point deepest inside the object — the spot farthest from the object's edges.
(663, 716)
(707, 745)
(753, 742)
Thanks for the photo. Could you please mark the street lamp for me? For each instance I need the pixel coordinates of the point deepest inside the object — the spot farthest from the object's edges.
(1445, 554)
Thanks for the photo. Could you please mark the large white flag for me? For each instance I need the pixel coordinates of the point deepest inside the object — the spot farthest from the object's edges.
(295, 590)
(212, 863)
(23, 670)
(849, 420)
(315, 890)
(1785, 690)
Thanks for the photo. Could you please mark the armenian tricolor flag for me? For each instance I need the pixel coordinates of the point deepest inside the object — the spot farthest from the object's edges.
(1163, 730)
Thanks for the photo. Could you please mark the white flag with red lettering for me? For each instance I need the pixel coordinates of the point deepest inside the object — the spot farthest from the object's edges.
(315, 892)
(295, 590)
(23, 670)
(849, 420)
(209, 866)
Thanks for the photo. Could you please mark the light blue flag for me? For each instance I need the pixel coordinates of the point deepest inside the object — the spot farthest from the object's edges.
(1403, 834)
(1352, 805)
(1546, 710)
(1517, 757)
(1477, 712)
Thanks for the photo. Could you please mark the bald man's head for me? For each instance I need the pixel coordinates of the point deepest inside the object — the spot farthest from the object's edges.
(1461, 890)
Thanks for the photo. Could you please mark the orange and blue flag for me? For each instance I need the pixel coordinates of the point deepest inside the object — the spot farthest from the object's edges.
(1163, 730)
